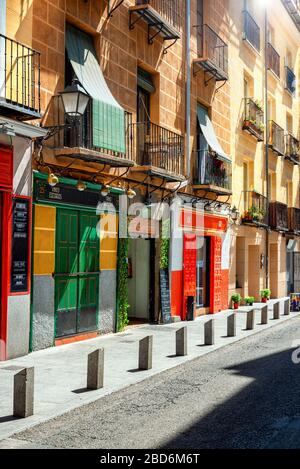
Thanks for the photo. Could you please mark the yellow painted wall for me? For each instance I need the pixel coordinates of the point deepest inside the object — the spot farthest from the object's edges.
(108, 242)
(44, 240)
(19, 16)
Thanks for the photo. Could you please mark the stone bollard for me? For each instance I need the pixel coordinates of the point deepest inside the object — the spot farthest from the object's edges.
(287, 307)
(24, 393)
(145, 353)
(95, 372)
(250, 320)
(181, 342)
(231, 325)
(264, 315)
(209, 332)
(276, 310)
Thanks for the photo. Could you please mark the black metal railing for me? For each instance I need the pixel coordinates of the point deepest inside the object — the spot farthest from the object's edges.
(273, 60)
(278, 216)
(211, 171)
(255, 208)
(78, 133)
(156, 146)
(253, 121)
(290, 80)
(276, 140)
(211, 47)
(294, 220)
(251, 31)
(292, 148)
(19, 75)
(170, 10)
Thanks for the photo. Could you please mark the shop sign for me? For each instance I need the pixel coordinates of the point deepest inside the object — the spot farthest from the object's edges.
(20, 245)
(165, 296)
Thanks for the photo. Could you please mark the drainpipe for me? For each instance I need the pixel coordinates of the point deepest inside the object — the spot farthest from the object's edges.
(267, 142)
(2, 47)
(188, 88)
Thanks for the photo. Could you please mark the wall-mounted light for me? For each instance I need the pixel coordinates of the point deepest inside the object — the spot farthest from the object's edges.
(81, 186)
(75, 99)
(105, 190)
(131, 194)
(52, 179)
(234, 214)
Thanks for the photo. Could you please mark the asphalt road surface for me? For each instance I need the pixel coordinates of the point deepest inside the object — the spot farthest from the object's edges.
(246, 395)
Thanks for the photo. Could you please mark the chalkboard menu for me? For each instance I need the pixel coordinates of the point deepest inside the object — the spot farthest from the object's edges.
(20, 246)
(165, 296)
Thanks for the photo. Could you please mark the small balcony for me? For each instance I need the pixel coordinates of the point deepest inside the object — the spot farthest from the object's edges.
(254, 119)
(273, 60)
(251, 31)
(212, 174)
(290, 81)
(212, 54)
(255, 209)
(292, 149)
(74, 139)
(19, 80)
(164, 18)
(276, 141)
(278, 217)
(294, 220)
(157, 151)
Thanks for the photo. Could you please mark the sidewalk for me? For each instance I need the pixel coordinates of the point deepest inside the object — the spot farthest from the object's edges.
(60, 373)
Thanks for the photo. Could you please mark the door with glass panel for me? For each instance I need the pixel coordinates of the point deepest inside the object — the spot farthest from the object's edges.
(203, 272)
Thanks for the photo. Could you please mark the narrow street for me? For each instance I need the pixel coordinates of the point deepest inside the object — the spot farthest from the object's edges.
(245, 395)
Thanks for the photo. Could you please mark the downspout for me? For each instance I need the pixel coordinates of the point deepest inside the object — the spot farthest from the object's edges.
(2, 47)
(188, 89)
(267, 144)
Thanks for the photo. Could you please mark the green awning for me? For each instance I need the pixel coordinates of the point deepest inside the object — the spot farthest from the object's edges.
(108, 115)
(210, 135)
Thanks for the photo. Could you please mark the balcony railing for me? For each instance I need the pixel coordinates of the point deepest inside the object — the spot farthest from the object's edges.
(290, 80)
(78, 135)
(213, 173)
(278, 218)
(169, 10)
(255, 209)
(19, 80)
(251, 31)
(273, 60)
(292, 148)
(212, 52)
(155, 146)
(276, 141)
(254, 119)
(294, 220)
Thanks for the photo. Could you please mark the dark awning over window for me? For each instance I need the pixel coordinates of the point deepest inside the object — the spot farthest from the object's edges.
(108, 115)
(210, 135)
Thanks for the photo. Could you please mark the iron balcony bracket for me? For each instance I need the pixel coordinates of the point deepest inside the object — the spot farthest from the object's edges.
(170, 45)
(159, 30)
(132, 22)
(111, 10)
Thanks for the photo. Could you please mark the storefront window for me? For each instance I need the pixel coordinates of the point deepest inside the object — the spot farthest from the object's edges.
(203, 255)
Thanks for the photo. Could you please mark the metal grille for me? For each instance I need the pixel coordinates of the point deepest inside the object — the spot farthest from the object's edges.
(277, 138)
(251, 31)
(273, 59)
(212, 171)
(212, 47)
(170, 10)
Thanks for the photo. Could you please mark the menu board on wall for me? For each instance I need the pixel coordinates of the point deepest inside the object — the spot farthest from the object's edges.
(165, 296)
(20, 246)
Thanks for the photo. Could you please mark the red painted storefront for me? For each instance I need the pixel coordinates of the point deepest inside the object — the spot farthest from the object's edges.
(183, 281)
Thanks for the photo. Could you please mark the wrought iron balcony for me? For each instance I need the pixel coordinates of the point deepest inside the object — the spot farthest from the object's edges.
(164, 17)
(276, 141)
(19, 80)
(159, 150)
(254, 119)
(212, 174)
(290, 80)
(212, 53)
(75, 138)
(292, 148)
(278, 216)
(251, 31)
(273, 60)
(294, 220)
(255, 209)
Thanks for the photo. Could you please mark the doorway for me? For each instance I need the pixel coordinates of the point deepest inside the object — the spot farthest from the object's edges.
(203, 272)
(139, 280)
(254, 271)
(76, 273)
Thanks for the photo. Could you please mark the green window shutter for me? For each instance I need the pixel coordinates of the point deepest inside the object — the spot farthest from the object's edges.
(108, 116)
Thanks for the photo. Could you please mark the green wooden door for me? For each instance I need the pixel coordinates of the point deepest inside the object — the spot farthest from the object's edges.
(76, 273)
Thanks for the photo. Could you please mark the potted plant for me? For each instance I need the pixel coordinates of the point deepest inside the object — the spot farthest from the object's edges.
(265, 295)
(236, 300)
(249, 300)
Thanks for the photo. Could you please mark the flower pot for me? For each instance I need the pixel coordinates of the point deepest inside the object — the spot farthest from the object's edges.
(235, 305)
(264, 300)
